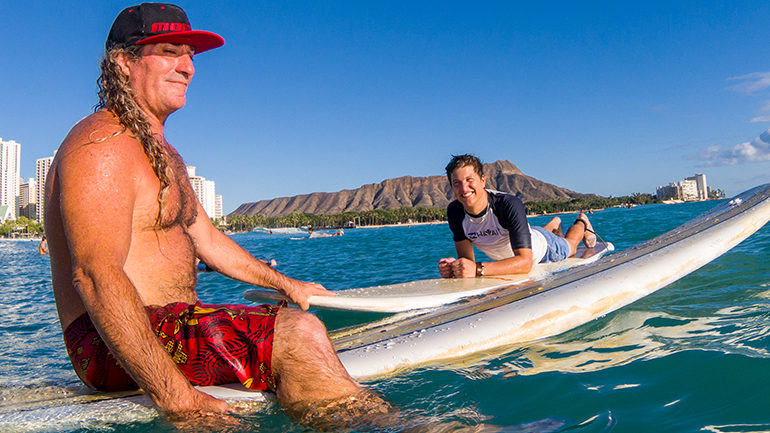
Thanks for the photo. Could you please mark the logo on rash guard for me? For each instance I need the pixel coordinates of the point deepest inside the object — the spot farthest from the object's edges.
(488, 232)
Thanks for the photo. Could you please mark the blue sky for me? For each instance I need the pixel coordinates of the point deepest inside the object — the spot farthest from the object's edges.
(609, 98)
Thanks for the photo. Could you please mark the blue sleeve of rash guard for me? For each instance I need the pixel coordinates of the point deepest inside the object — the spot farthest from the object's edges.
(455, 215)
(512, 215)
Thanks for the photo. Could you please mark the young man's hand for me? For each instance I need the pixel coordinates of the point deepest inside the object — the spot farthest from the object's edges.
(457, 268)
(445, 267)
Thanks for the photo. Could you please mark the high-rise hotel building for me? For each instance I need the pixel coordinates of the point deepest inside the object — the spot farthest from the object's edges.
(205, 191)
(43, 165)
(690, 189)
(27, 198)
(701, 188)
(10, 179)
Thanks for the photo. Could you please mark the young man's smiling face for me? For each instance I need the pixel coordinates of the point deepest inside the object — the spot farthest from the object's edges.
(468, 187)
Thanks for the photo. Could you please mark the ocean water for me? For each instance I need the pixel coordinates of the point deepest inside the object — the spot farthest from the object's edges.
(694, 356)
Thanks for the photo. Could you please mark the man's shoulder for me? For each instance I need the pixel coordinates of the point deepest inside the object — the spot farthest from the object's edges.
(97, 135)
(95, 126)
(508, 208)
(455, 210)
(454, 205)
(498, 197)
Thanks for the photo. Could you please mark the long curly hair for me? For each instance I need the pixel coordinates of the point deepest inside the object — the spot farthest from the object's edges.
(116, 96)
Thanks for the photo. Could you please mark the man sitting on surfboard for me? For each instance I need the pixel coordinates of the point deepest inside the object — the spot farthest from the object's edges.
(496, 223)
(125, 229)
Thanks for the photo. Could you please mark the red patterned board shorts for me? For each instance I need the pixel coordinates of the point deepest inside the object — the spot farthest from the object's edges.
(211, 344)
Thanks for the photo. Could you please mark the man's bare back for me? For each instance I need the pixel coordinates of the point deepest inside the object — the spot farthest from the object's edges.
(161, 259)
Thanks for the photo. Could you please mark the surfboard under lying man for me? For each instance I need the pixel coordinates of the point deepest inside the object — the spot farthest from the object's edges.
(496, 223)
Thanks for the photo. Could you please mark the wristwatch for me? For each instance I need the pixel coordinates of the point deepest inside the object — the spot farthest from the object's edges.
(479, 269)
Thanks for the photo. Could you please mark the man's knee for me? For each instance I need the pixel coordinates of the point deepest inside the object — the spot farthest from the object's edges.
(299, 321)
(295, 328)
(305, 360)
(301, 348)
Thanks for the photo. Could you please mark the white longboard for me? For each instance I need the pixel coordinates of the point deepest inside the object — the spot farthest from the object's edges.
(233, 392)
(58, 409)
(431, 293)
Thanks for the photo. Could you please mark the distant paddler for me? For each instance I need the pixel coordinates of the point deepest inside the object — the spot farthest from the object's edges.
(313, 234)
(496, 223)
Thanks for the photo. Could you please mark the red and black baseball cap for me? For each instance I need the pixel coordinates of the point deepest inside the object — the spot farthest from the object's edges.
(152, 23)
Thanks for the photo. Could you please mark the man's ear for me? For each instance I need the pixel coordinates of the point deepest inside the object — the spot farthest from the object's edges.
(122, 58)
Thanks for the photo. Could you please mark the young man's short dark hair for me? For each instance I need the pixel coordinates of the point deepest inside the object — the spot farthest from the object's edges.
(459, 161)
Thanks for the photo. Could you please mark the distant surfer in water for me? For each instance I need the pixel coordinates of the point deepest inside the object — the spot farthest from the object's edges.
(125, 230)
(312, 234)
(43, 247)
(496, 223)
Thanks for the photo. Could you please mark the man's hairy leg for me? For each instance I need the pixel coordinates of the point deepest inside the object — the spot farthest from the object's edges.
(305, 361)
(312, 383)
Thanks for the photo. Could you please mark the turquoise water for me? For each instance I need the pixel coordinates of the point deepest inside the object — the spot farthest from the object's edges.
(693, 356)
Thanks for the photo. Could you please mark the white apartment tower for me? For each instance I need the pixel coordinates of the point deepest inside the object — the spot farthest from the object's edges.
(43, 165)
(218, 207)
(209, 198)
(205, 191)
(700, 183)
(10, 160)
(689, 190)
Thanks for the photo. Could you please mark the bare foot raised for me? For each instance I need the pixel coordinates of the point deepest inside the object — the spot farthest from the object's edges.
(589, 238)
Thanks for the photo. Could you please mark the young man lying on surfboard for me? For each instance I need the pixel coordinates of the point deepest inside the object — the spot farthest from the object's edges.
(496, 223)
(125, 230)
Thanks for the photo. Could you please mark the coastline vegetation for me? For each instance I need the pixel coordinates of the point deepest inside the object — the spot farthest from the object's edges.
(585, 204)
(404, 215)
(407, 215)
(21, 227)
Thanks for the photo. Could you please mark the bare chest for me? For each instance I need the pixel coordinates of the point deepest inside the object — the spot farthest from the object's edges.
(174, 205)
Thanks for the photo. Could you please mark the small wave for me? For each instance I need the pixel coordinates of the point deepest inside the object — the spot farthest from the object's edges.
(736, 428)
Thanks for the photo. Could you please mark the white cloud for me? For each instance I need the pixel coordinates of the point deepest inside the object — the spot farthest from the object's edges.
(766, 118)
(758, 150)
(753, 82)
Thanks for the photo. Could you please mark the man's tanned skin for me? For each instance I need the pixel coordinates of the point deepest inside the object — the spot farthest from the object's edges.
(112, 254)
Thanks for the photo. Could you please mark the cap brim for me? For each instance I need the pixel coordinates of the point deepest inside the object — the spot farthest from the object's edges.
(198, 39)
